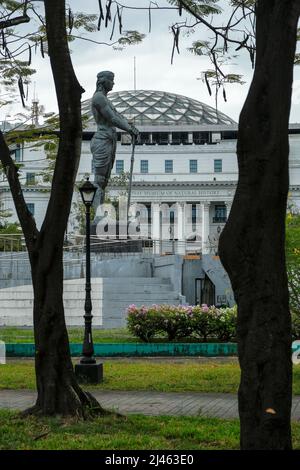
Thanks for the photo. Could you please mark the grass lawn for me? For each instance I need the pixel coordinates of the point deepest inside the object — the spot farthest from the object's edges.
(132, 432)
(146, 375)
(25, 335)
(119, 433)
(10, 334)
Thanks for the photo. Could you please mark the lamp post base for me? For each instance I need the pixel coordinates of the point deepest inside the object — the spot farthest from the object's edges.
(89, 373)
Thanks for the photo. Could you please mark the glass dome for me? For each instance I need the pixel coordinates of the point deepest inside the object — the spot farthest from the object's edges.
(148, 108)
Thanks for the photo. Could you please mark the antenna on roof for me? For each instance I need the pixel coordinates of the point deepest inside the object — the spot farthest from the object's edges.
(134, 73)
(35, 108)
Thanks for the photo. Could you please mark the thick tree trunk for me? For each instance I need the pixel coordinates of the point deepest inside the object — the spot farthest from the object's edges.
(58, 391)
(252, 243)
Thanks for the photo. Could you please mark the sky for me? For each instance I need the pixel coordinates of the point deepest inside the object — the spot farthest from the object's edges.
(153, 63)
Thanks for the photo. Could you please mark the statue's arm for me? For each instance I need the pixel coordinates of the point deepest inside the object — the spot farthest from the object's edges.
(111, 116)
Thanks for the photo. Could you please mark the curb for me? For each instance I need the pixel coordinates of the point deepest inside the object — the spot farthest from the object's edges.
(136, 349)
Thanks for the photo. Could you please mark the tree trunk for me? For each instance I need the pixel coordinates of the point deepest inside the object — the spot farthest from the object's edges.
(58, 391)
(253, 241)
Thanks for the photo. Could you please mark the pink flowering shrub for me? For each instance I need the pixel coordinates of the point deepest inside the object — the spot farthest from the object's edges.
(178, 321)
(143, 322)
(203, 321)
(175, 321)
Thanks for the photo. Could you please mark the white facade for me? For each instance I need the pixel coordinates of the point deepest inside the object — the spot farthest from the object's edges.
(187, 159)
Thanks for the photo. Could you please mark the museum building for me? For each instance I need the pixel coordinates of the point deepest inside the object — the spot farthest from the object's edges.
(185, 163)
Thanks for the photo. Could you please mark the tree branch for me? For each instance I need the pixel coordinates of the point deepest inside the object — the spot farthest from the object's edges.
(25, 217)
(210, 26)
(14, 21)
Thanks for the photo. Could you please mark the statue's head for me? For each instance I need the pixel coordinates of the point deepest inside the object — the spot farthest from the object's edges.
(105, 80)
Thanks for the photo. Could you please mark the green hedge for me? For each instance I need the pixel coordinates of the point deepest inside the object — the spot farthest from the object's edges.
(201, 322)
(178, 322)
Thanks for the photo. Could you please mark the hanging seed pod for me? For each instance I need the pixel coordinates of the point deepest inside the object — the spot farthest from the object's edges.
(42, 47)
(3, 39)
(113, 27)
(119, 12)
(224, 95)
(207, 84)
(101, 10)
(21, 90)
(29, 55)
(177, 40)
(180, 8)
(252, 57)
(149, 18)
(71, 20)
(108, 13)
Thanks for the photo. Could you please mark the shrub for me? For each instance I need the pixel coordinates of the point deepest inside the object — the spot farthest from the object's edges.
(225, 323)
(181, 321)
(143, 322)
(175, 321)
(203, 321)
(178, 321)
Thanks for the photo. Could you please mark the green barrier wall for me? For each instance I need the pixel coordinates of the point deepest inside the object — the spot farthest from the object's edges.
(136, 349)
(140, 349)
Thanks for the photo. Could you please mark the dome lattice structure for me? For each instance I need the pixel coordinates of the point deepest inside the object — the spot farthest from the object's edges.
(151, 107)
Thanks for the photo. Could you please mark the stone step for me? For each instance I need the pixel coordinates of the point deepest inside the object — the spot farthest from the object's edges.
(110, 299)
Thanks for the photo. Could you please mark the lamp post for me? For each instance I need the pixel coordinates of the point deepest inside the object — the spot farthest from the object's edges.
(88, 370)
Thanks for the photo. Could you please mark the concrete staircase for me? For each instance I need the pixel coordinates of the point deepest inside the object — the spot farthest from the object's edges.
(119, 293)
(110, 298)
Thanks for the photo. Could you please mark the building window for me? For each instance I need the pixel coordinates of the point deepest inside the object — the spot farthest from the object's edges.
(218, 166)
(30, 207)
(144, 166)
(220, 214)
(30, 178)
(160, 138)
(168, 166)
(200, 138)
(180, 138)
(119, 166)
(193, 166)
(144, 138)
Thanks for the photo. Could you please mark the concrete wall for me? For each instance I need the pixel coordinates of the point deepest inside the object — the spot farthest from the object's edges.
(169, 266)
(192, 270)
(217, 274)
(15, 268)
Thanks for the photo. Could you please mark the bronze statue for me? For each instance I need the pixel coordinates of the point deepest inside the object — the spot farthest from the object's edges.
(104, 141)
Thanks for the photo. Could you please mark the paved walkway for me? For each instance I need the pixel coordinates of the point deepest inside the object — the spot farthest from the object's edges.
(219, 405)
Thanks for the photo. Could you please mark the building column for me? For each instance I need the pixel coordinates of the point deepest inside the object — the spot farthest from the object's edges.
(169, 138)
(190, 137)
(228, 205)
(181, 227)
(205, 205)
(155, 226)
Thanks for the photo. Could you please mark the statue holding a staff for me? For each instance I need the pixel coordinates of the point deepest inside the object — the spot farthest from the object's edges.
(104, 141)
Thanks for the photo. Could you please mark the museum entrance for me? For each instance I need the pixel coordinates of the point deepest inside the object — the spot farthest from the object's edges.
(204, 291)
